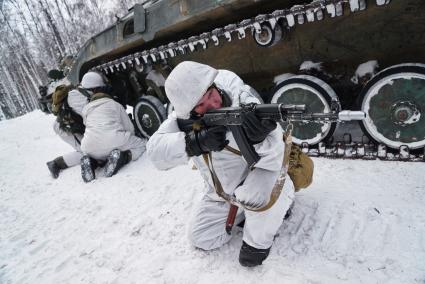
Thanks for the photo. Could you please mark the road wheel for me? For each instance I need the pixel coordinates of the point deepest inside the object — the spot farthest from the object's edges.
(317, 96)
(149, 113)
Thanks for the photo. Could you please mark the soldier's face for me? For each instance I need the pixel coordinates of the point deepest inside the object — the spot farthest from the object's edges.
(210, 100)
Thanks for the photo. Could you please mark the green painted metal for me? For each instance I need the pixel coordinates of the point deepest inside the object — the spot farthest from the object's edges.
(304, 130)
(164, 20)
(389, 110)
(390, 34)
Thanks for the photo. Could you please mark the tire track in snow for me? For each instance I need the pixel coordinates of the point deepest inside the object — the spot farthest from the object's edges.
(296, 232)
(337, 232)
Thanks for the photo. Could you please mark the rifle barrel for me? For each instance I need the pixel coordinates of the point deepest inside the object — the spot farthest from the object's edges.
(277, 112)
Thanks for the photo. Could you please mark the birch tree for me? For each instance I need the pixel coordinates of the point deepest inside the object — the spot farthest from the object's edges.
(37, 35)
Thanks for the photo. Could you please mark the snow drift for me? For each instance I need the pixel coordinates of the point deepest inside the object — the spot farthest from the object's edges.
(360, 222)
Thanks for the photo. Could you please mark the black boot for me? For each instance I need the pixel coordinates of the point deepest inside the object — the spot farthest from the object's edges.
(88, 165)
(116, 160)
(250, 256)
(289, 211)
(56, 166)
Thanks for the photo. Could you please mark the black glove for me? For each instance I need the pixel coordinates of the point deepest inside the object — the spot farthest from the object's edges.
(255, 129)
(42, 90)
(206, 140)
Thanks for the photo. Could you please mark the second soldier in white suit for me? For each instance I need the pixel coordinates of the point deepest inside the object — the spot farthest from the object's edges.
(109, 134)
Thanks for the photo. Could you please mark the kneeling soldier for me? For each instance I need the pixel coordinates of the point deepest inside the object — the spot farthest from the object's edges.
(193, 89)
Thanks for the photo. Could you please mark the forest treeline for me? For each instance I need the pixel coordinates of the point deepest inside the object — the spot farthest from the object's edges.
(35, 35)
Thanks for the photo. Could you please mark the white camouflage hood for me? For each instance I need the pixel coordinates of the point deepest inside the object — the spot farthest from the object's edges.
(186, 85)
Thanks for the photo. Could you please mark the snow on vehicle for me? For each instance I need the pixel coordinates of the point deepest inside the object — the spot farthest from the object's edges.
(326, 54)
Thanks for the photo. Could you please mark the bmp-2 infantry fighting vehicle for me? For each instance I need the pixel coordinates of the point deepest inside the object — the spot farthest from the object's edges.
(326, 54)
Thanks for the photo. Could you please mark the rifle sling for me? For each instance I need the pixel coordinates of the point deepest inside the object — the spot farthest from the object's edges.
(233, 150)
(76, 139)
(277, 188)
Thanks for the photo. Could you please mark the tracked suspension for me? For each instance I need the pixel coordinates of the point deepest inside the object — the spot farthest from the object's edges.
(362, 151)
(298, 14)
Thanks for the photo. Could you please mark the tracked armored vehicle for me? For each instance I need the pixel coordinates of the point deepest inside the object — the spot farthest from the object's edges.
(326, 54)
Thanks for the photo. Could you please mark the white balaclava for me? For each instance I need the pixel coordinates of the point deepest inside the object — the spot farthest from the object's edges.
(186, 85)
(92, 80)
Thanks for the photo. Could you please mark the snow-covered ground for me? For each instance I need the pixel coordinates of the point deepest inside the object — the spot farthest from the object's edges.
(360, 222)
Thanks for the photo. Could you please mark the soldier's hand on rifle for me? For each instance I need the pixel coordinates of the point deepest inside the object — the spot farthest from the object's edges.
(42, 90)
(206, 140)
(256, 129)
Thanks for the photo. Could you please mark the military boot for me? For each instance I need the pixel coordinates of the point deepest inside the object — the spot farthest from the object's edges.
(116, 160)
(250, 256)
(289, 211)
(88, 165)
(55, 166)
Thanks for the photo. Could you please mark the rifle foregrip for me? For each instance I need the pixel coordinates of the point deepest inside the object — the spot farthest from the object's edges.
(268, 111)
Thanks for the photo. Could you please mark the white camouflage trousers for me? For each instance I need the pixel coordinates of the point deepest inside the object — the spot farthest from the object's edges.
(207, 229)
(136, 145)
(72, 158)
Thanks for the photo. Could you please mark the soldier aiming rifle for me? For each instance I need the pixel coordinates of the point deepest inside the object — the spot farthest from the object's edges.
(242, 168)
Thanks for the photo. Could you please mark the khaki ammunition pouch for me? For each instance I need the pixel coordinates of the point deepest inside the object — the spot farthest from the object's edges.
(300, 169)
(59, 96)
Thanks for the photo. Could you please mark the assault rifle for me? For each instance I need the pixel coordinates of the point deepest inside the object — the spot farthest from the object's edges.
(232, 117)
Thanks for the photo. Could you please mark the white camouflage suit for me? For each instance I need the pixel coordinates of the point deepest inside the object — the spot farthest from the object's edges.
(108, 127)
(166, 149)
(77, 101)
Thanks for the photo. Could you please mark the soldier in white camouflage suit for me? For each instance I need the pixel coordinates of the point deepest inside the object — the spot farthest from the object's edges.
(193, 89)
(109, 136)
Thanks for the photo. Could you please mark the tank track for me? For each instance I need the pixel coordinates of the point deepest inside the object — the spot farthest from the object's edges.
(298, 14)
(361, 151)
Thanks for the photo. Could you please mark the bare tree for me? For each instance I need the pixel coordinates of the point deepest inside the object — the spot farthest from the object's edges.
(60, 47)
(39, 34)
(71, 45)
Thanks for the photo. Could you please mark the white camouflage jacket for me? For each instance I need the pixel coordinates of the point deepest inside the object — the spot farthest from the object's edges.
(166, 149)
(107, 125)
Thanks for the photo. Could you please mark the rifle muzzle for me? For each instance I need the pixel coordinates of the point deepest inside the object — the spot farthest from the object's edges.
(347, 115)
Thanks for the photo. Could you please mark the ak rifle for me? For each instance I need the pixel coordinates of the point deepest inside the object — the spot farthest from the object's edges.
(232, 117)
